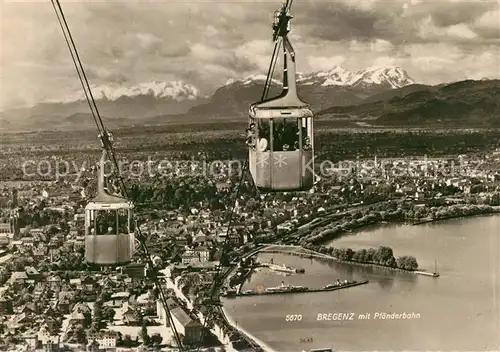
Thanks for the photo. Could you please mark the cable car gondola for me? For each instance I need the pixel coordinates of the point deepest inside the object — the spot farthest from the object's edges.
(109, 236)
(280, 133)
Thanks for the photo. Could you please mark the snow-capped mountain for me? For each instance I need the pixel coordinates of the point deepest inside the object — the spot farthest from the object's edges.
(321, 89)
(250, 80)
(119, 105)
(175, 90)
(391, 77)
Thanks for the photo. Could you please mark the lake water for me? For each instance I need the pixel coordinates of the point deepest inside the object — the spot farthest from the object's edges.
(458, 311)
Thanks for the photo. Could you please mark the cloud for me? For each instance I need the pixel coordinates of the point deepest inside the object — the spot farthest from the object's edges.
(376, 45)
(322, 63)
(207, 42)
(445, 62)
(398, 21)
(487, 25)
(458, 32)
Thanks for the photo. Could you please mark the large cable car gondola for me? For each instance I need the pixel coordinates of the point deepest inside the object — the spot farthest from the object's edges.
(281, 152)
(109, 233)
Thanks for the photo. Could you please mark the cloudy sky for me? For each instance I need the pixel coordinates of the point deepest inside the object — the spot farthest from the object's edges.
(207, 42)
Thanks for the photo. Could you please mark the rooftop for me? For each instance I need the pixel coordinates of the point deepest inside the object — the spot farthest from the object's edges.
(184, 318)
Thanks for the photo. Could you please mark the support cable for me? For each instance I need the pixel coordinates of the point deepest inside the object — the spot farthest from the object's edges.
(66, 38)
(218, 277)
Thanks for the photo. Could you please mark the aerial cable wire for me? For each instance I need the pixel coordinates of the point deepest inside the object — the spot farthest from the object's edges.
(109, 149)
(79, 63)
(76, 67)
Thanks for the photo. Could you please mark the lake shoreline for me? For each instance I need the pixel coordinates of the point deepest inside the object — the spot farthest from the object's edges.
(353, 230)
(494, 211)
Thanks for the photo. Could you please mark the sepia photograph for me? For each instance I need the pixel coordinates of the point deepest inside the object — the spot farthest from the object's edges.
(250, 175)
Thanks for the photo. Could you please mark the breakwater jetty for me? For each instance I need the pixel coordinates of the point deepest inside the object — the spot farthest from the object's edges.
(297, 290)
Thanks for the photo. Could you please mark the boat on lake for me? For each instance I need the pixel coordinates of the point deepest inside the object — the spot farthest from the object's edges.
(339, 283)
(286, 288)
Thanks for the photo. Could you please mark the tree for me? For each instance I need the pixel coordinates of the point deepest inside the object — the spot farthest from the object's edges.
(213, 253)
(80, 335)
(53, 230)
(360, 256)
(407, 263)
(127, 341)
(251, 205)
(97, 316)
(119, 338)
(349, 253)
(109, 314)
(383, 255)
(146, 340)
(138, 316)
(391, 262)
(94, 326)
(156, 338)
(357, 215)
(93, 346)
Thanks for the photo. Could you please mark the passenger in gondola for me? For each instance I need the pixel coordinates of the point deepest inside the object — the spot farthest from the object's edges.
(102, 229)
(290, 136)
(251, 135)
(122, 224)
(263, 145)
(307, 144)
(284, 136)
(264, 133)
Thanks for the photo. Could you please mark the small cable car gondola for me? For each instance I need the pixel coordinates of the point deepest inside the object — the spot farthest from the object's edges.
(115, 244)
(109, 235)
(280, 133)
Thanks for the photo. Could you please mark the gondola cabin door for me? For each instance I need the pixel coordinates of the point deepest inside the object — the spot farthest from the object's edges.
(281, 152)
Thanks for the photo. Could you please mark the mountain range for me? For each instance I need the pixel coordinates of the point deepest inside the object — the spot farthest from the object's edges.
(385, 94)
(466, 103)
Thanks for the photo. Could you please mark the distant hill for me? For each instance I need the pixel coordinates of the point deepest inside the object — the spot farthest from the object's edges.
(166, 102)
(120, 105)
(461, 104)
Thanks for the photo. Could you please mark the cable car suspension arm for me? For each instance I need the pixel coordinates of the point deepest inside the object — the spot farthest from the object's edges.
(280, 31)
(272, 66)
